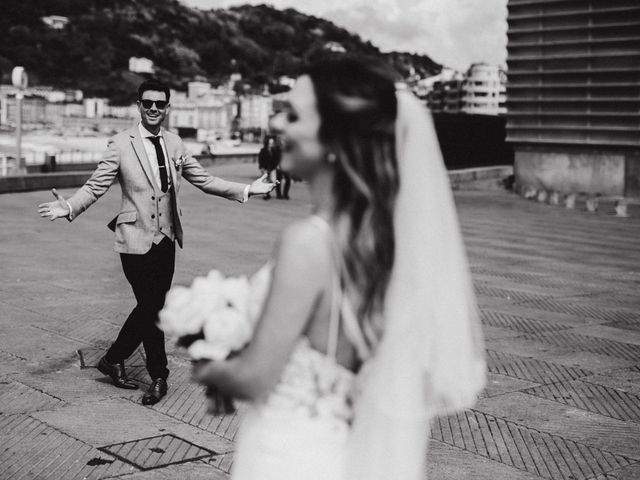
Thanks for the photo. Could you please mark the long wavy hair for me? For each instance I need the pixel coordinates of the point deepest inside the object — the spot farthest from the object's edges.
(356, 100)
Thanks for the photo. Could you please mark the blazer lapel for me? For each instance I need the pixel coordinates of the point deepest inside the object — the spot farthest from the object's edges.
(138, 147)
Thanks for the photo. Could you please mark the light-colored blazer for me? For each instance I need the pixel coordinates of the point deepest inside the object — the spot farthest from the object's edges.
(126, 160)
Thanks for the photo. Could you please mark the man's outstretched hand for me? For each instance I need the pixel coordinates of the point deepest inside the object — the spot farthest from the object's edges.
(53, 210)
(261, 186)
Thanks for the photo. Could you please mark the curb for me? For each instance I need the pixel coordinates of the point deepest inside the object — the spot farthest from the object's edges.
(43, 181)
(482, 178)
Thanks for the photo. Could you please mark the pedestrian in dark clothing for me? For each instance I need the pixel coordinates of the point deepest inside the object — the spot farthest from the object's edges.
(267, 161)
(283, 177)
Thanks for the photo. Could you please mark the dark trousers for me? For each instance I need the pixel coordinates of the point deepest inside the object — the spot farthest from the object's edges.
(150, 277)
(285, 181)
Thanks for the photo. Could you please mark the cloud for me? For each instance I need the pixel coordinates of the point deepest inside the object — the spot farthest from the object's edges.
(453, 32)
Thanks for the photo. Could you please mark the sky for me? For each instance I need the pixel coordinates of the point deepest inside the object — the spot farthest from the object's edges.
(454, 33)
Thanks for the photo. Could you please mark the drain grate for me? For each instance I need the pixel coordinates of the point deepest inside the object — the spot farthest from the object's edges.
(593, 398)
(520, 324)
(32, 449)
(530, 369)
(603, 346)
(157, 452)
(540, 453)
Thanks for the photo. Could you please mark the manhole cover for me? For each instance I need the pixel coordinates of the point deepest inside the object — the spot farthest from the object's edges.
(157, 452)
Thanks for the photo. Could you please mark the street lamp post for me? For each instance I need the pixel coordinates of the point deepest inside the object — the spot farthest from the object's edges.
(20, 81)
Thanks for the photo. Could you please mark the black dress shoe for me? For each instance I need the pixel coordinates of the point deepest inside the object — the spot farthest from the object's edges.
(117, 373)
(157, 390)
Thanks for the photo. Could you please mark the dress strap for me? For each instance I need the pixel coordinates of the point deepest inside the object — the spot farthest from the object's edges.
(341, 308)
(334, 318)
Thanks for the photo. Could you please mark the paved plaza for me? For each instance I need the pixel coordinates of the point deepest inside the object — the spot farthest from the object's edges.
(560, 297)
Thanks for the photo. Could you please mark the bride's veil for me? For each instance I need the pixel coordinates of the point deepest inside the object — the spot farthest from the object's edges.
(430, 360)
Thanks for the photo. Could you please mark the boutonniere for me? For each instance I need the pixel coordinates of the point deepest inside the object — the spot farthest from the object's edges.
(179, 161)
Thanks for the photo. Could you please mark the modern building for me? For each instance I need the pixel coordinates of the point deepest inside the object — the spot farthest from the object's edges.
(484, 90)
(481, 90)
(446, 95)
(573, 95)
(443, 92)
(453, 98)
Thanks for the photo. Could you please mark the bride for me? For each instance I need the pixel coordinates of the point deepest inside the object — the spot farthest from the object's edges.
(369, 326)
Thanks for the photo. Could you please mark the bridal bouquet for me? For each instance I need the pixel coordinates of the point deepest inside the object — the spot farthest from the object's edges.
(212, 319)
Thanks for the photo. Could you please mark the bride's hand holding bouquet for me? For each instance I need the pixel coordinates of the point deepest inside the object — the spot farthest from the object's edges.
(212, 319)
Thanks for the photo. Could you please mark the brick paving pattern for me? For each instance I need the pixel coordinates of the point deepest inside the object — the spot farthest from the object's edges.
(559, 293)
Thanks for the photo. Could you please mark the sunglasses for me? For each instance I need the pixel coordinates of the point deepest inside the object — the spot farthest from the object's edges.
(160, 104)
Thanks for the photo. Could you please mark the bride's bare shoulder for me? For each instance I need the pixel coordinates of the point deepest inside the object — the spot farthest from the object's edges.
(305, 242)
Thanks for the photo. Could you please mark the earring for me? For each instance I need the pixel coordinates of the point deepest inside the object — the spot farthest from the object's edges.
(331, 157)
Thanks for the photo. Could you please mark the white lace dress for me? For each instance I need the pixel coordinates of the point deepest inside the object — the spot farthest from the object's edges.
(299, 430)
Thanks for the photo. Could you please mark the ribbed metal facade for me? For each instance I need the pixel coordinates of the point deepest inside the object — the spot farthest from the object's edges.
(574, 74)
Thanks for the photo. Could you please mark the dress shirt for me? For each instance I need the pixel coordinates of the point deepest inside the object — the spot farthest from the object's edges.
(150, 150)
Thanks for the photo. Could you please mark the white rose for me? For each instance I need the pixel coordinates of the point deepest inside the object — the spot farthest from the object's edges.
(201, 350)
(236, 293)
(176, 317)
(206, 289)
(227, 329)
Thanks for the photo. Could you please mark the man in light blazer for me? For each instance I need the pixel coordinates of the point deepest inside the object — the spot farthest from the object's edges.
(149, 163)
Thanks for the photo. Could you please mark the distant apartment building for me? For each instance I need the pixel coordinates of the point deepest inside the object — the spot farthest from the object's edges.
(335, 47)
(95, 107)
(484, 90)
(198, 89)
(480, 91)
(203, 110)
(453, 98)
(57, 22)
(573, 95)
(33, 110)
(255, 111)
(50, 94)
(45, 106)
(446, 94)
(141, 65)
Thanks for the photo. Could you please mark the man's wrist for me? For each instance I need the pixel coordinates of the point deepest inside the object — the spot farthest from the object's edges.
(70, 214)
(247, 193)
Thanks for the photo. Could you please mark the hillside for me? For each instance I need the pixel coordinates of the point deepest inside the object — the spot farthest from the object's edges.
(92, 51)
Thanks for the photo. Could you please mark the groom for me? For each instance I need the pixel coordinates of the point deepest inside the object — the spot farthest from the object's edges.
(149, 163)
